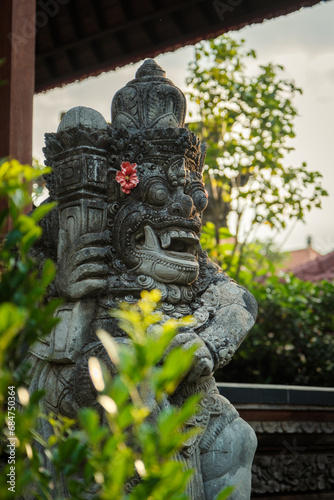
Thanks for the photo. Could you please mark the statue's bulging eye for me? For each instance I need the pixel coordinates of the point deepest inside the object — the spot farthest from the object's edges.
(157, 194)
(199, 196)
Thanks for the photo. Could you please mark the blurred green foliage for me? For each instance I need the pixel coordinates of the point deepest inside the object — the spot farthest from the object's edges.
(22, 290)
(24, 316)
(258, 260)
(292, 341)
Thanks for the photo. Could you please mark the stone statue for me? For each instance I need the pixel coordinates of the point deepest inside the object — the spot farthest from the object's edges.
(130, 197)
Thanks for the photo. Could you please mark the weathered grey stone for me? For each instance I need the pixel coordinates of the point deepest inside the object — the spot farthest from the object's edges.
(117, 234)
(80, 116)
(227, 461)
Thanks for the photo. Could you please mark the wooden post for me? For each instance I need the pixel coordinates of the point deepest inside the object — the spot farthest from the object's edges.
(17, 74)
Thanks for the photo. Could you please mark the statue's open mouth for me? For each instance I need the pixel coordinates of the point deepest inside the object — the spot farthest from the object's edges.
(180, 244)
(168, 255)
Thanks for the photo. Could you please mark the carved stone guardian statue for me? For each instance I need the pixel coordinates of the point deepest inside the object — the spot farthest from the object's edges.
(130, 197)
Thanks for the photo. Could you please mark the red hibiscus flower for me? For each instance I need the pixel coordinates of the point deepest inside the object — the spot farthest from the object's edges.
(127, 177)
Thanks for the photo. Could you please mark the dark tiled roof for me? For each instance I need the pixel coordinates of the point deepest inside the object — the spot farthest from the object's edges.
(80, 38)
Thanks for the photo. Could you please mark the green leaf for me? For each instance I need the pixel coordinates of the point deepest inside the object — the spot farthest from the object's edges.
(225, 493)
(38, 213)
(90, 420)
(48, 273)
(12, 238)
(12, 320)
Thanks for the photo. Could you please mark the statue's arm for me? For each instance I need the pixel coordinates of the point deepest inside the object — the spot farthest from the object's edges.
(234, 316)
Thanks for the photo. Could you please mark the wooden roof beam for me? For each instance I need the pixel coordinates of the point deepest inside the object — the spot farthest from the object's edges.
(122, 41)
(127, 9)
(179, 22)
(74, 12)
(151, 32)
(99, 16)
(125, 26)
(97, 50)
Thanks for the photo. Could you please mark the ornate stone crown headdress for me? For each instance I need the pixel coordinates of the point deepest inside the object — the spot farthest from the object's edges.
(148, 117)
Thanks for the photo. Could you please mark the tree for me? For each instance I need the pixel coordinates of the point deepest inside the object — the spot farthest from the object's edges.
(258, 261)
(247, 122)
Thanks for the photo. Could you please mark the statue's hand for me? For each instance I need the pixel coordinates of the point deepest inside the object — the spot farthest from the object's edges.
(203, 363)
(82, 267)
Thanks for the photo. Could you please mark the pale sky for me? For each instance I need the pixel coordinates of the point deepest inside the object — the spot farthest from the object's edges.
(303, 42)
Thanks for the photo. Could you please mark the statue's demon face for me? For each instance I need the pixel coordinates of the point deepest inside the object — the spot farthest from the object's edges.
(156, 218)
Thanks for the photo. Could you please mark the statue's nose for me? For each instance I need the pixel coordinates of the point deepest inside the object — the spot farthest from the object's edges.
(182, 204)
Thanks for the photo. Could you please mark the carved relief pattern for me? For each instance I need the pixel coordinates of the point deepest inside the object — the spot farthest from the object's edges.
(293, 427)
(290, 473)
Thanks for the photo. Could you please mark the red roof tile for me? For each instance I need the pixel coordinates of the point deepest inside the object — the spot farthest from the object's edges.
(321, 268)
